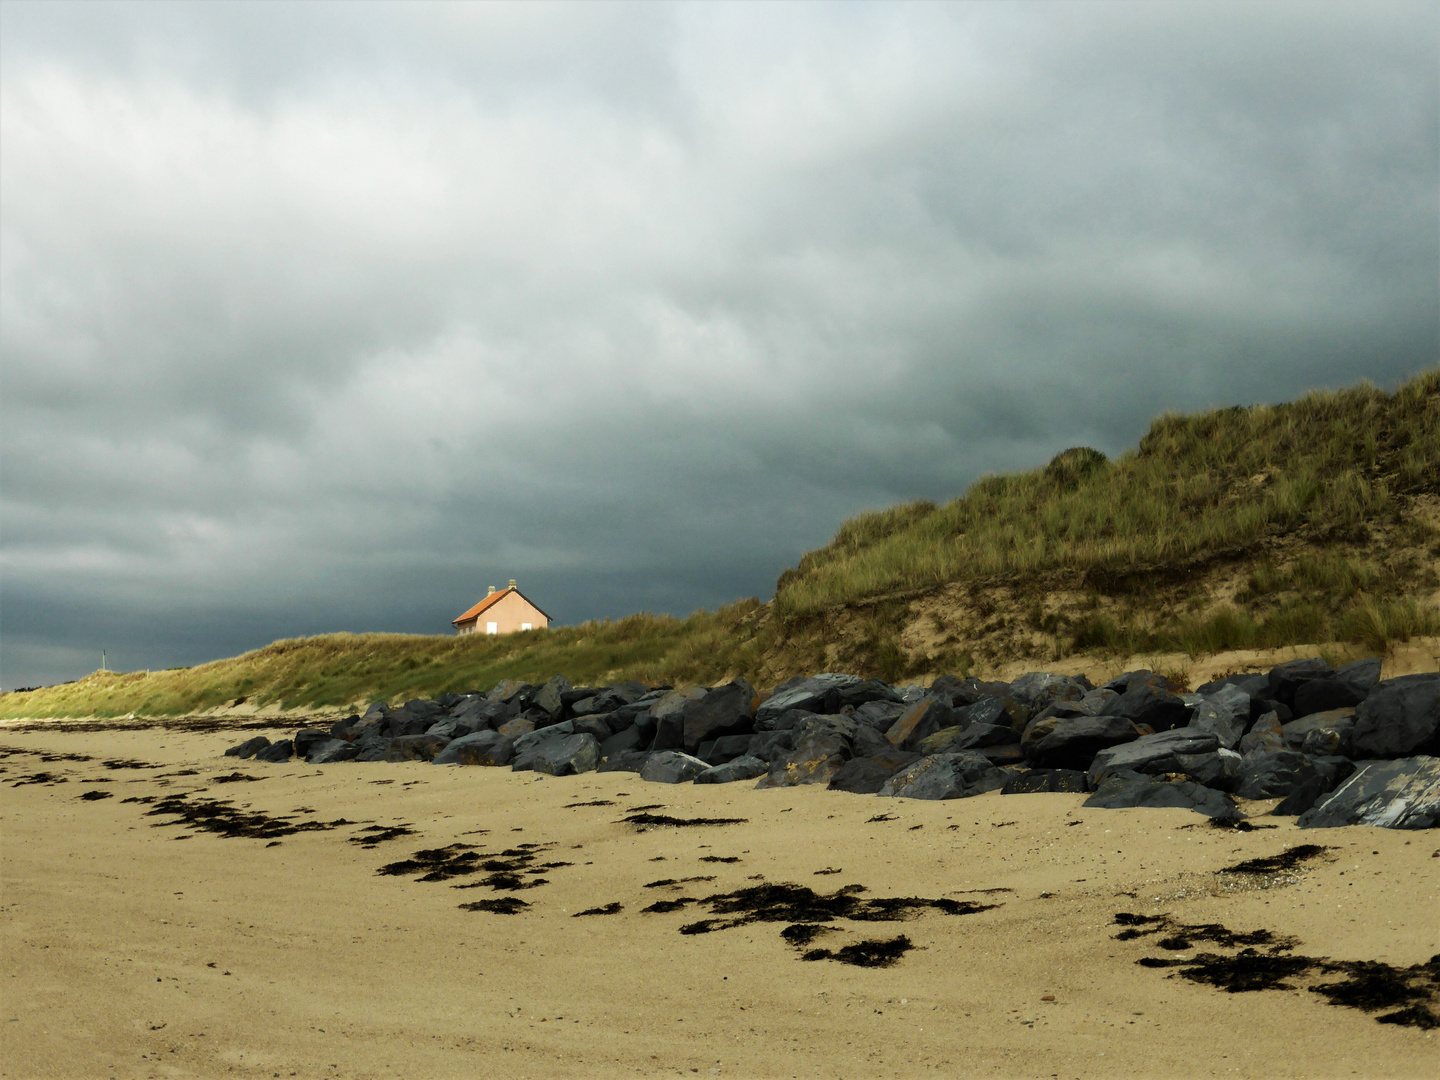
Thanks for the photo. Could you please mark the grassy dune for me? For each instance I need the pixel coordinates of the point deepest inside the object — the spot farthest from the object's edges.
(1309, 522)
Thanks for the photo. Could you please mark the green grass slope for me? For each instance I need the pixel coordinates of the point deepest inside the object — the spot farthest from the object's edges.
(1308, 522)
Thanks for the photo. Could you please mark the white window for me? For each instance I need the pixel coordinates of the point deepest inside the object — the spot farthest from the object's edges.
(526, 626)
(492, 627)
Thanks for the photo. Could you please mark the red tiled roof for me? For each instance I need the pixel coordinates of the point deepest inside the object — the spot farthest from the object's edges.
(493, 598)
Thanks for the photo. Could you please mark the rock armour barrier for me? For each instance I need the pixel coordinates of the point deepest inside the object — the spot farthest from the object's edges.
(1336, 746)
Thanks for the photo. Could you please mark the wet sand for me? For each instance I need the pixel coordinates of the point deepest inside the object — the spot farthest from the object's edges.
(137, 945)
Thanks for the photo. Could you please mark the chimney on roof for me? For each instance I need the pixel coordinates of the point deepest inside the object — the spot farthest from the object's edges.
(492, 591)
(512, 583)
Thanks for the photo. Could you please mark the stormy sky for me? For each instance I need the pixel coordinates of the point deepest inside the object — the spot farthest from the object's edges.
(325, 317)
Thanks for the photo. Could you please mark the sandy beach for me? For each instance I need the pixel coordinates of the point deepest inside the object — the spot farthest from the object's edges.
(137, 944)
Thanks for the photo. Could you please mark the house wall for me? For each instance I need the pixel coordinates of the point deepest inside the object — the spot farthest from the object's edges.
(510, 612)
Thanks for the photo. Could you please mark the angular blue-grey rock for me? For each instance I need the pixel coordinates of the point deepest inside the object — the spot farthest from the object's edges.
(1274, 775)
(1122, 791)
(1363, 674)
(1324, 695)
(548, 697)
(1327, 732)
(723, 711)
(1033, 781)
(578, 753)
(1254, 684)
(512, 690)
(376, 710)
(867, 775)
(1399, 717)
(944, 776)
(818, 693)
(597, 724)
(668, 716)
(979, 736)
(1003, 755)
(1219, 769)
(248, 747)
(631, 761)
(480, 748)
(1265, 737)
(726, 748)
(773, 745)
(276, 752)
(626, 741)
(854, 695)
(924, 718)
(1224, 713)
(1147, 699)
(988, 712)
(527, 746)
(372, 747)
(1399, 794)
(1038, 689)
(671, 767)
(1074, 741)
(740, 768)
(515, 727)
(1284, 679)
(347, 729)
(305, 738)
(416, 747)
(815, 760)
(1151, 754)
(332, 750)
(879, 714)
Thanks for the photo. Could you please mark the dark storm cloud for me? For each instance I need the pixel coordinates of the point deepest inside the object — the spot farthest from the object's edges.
(327, 316)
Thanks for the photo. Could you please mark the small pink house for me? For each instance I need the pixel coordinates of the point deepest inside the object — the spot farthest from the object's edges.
(503, 612)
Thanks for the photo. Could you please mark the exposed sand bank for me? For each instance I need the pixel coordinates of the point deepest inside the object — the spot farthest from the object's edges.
(131, 952)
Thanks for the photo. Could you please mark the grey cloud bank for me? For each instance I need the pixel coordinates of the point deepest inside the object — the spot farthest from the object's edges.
(324, 317)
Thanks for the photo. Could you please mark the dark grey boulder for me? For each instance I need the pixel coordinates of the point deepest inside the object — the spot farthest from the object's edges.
(723, 711)
(668, 717)
(727, 748)
(512, 691)
(1224, 713)
(819, 693)
(866, 692)
(416, 747)
(631, 761)
(372, 747)
(1285, 679)
(773, 745)
(480, 748)
(867, 775)
(1273, 775)
(1039, 689)
(516, 727)
(940, 742)
(944, 776)
(879, 714)
(1151, 754)
(528, 746)
(377, 710)
(1399, 717)
(1327, 732)
(1302, 798)
(1121, 791)
(925, 717)
(1032, 781)
(987, 712)
(1254, 684)
(1004, 754)
(330, 751)
(1219, 769)
(1324, 695)
(671, 767)
(248, 747)
(1265, 737)
(568, 756)
(306, 738)
(276, 752)
(547, 697)
(1399, 794)
(347, 729)
(597, 725)
(814, 760)
(626, 741)
(1363, 674)
(1074, 741)
(1147, 699)
(740, 768)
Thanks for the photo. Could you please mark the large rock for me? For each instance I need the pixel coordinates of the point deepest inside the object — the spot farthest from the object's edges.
(1074, 741)
(867, 775)
(726, 748)
(1285, 679)
(988, 711)
(1125, 790)
(1151, 754)
(248, 747)
(818, 694)
(416, 747)
(924, 718)
(879, 715)
(1399, 717)
(626, 741)
(723, 711)
(1224, 714)
(1362, 674)
(815, 760)
(1273, 775)
(1146, 699)
(1039, 689)
(671, 767)
(528, 746)
(668, 716)
(626, 761)
(330, 751)
(1400, 794)
(307, 738)
(516, 727)
(547, 698)
(944, 776)
(481, 748)
(1324, 733)
(578, 753)
(597, 725)
(372, 747)
(1325, 695)
(1031, 781)
(740, 768)
(276, 751)
(1266, 737)
(773, 745)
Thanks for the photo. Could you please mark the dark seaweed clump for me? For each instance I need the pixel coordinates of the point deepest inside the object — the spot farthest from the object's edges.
(219, 816)
(41, 778)
(91, 796)
(1409, 993)
(1274, 864)
(504, 905)
(592, 802)
(236, 778)
(374, 835)
(874, 953)
(675, 822)
(611, 908)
